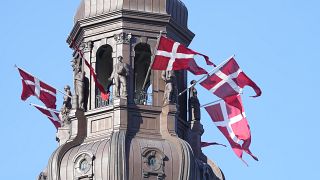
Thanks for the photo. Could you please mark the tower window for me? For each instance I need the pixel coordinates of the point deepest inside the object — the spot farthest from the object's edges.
(104, 68)
(142, 60)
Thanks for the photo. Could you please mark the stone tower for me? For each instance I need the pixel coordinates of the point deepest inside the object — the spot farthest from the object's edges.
(135, 136)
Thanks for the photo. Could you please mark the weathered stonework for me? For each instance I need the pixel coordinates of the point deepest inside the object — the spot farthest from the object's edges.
(129, 138)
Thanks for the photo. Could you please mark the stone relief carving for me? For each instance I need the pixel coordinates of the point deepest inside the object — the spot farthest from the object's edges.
(153, 160)
(83, 165)
(194, 104)
(170, 92)
(119, 78)
(123, 38)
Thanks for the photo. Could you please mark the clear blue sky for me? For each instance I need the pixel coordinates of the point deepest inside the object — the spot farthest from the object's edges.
(276, 43)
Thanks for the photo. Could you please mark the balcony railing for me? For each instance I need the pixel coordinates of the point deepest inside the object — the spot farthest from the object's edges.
(143, 98)
(101, 103)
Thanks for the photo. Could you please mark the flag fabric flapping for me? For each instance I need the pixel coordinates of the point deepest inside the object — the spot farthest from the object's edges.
(105, 95)
(206, 144)
(234, 126)
(171, 55)
(228, 81)
(32, 86)
(52, 114)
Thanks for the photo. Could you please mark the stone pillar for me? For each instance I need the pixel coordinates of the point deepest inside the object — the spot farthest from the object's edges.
(168, 123)
(123, 41)
(63, 134)
(120, 118)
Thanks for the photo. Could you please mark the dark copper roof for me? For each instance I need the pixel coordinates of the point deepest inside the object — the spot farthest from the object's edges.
(175, 8)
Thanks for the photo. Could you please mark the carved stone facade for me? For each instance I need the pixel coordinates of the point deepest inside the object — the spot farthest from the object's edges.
(153, 159)
(83, 165)
(126, 138)
(123, 38)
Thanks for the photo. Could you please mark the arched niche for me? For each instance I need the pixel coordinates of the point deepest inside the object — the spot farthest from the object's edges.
(104, 66)
(142, 62)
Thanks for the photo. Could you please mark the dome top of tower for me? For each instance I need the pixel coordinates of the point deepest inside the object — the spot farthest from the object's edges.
(175, 8)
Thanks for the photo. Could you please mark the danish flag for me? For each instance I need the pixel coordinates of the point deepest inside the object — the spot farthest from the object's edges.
(32, 86)
(52, 114)
(104, 94)
(228, 82)
(172, 55)
(234, 126)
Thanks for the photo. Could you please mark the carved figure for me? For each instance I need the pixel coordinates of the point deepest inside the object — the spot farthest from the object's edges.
(79, 85)
(42, 176)
(194, 104)
(170, 92)
(119, 76)
(66, 106)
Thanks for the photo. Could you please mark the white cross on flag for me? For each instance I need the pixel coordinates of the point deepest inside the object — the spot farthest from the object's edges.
(172, 55)
(52, 114)
(32, 86)
(228, 82)
(234, 126)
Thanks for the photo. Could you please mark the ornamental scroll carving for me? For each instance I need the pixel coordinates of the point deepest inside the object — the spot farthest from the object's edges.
(123, 38)
(83, 165)
(153, 163)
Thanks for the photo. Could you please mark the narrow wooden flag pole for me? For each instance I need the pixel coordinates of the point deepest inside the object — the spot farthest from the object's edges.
(49, 109)
(206, 75)
(211, 103)
(152, 61)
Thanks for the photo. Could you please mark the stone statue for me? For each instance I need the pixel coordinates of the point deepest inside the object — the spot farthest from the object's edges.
(79, 76)
(66, 106)
(42, 176)
(194, 104)
(119, 76)
(170, 92)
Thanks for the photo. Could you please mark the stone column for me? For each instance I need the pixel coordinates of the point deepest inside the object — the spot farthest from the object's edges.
(123, 41)
(87, 51)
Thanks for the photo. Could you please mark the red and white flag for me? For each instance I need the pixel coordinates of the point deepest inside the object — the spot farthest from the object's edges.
(228, 82)
(234, 126)
(52, 114)
(172, 55)
(104, 94)
(32, 86)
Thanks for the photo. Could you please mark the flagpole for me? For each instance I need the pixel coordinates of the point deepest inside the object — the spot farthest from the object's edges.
(152, 61)
(49, 109)
(88, 64)
(35, 76)
(63, 93)
(206, 75)
(211, 103)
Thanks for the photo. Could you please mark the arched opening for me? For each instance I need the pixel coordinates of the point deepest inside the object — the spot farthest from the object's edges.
(142, 62)
(104, 68)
